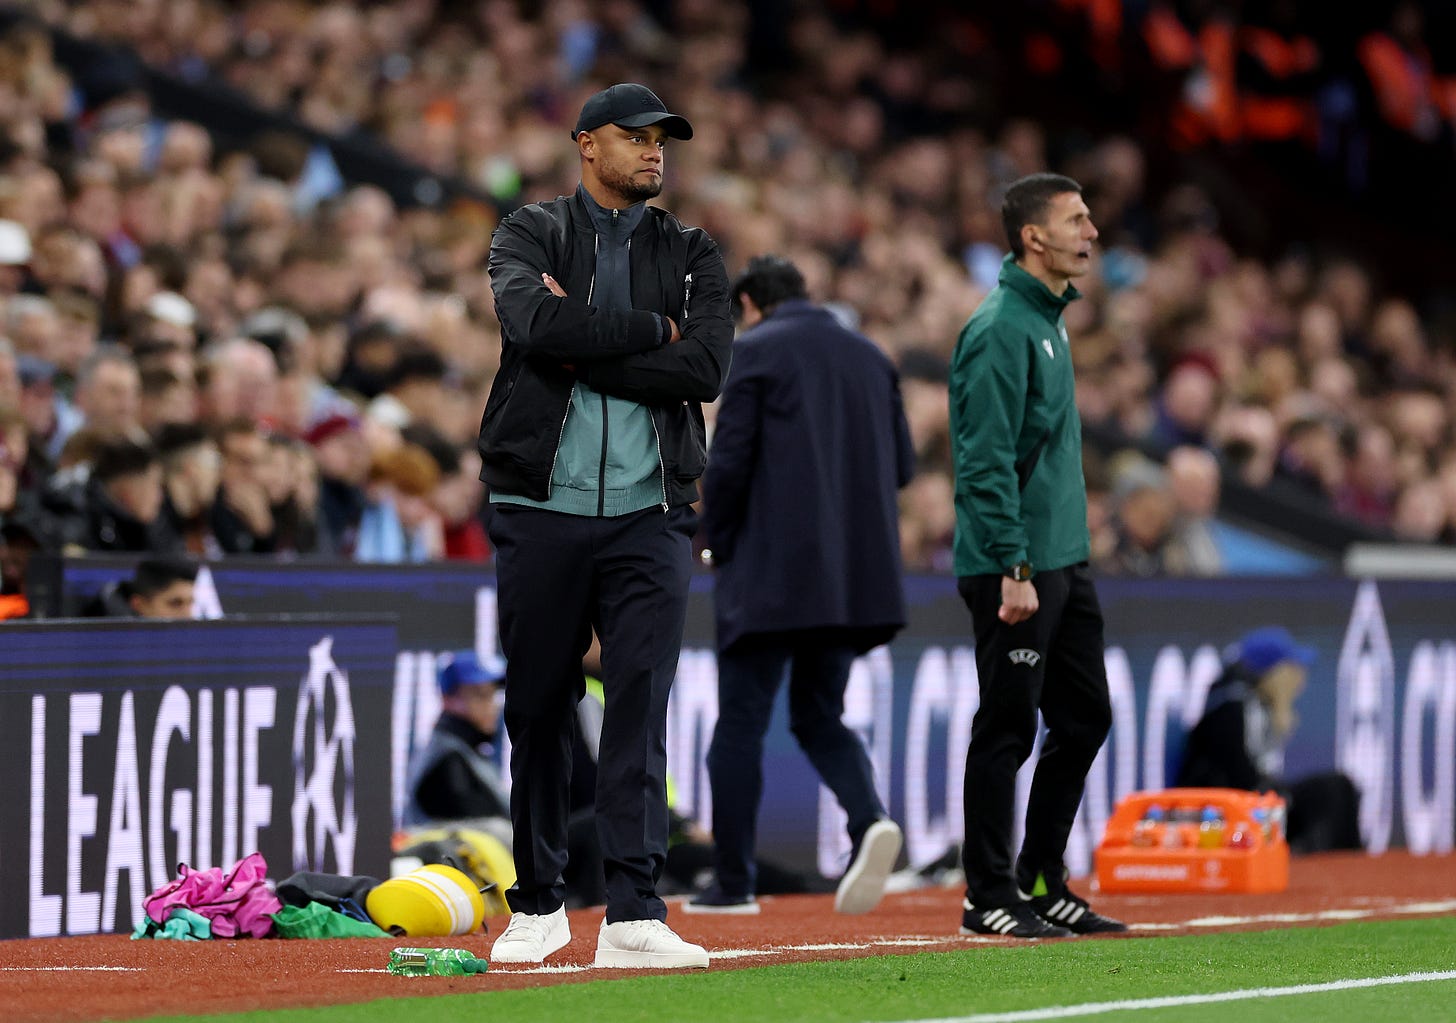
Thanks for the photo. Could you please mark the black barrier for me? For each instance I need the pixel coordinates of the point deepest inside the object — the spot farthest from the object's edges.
(1381, 702)
(134, 746)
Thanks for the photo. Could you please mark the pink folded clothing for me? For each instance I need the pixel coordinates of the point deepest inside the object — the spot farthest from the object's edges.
(237, 902)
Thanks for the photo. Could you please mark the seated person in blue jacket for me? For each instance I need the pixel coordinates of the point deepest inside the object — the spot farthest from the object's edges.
(457, 777)
(1239, 741)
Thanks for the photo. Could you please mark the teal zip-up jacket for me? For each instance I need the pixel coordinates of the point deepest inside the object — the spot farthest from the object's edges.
(1015, 433)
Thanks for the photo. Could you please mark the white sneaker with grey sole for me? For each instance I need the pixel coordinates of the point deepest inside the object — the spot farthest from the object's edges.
(863, 884)
(646, 945)
(531, 937)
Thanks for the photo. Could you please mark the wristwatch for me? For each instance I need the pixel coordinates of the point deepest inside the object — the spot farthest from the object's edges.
(1019, 572)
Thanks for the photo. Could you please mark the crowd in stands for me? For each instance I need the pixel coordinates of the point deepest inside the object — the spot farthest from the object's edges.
(231, 350)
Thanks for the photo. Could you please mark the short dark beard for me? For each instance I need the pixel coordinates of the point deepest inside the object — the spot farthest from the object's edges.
(629, 188)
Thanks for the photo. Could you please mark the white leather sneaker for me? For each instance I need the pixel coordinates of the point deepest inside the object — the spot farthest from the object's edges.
(863, 884)
(646, 945)
(530, 938)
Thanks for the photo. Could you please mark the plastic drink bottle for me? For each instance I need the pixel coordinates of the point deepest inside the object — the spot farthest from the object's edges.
(435, 962)
(1148, 831)
(1211, 829)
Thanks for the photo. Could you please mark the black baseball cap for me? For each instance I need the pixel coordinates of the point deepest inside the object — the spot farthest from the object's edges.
(630, 105)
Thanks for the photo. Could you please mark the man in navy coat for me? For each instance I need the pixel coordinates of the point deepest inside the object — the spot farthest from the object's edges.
(799, 500)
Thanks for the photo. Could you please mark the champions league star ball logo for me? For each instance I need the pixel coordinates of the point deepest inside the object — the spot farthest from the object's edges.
(323, 766)
(1365, 716)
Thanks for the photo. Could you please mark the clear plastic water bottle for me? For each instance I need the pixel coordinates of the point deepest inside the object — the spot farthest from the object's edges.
(435, 962)
(1277, 822)
(1262, 822)
(1149, 830)
(1211, 828)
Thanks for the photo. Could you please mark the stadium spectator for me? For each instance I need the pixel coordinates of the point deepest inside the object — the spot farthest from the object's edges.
(108, 396)
(343, 460)
(242, 514)
(191, 473)
(122, 501)
(160, 588)
(1194, 484)
(889, 162)
(398, 524)
(20, 538)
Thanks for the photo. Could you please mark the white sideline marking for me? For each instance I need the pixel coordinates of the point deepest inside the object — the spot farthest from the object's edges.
(1244, 994)
(1412, 909)
(744, 953)
(565, 968)
(343, 970)
(73, 969)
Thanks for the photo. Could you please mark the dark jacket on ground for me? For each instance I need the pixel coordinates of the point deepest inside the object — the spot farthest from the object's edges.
(810, 447)
(548, 343)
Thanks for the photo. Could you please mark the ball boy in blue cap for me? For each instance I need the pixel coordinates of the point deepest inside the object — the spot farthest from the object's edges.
(1239, 742)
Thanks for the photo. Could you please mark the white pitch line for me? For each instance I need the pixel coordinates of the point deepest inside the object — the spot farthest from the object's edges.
(1445, 906)
(72, 969)
(1171, 1001)
(551, 969)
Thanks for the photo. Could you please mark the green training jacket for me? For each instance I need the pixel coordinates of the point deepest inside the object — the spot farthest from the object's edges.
(1015, 433)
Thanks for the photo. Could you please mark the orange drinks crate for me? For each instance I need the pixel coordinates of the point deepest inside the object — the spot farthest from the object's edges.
(1135, 858)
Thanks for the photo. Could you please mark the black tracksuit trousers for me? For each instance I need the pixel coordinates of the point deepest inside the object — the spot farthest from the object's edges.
(1052, 662)
(559, 576)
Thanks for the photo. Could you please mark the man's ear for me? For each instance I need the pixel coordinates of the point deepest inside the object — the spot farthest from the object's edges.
(585, 144)
(135, 603)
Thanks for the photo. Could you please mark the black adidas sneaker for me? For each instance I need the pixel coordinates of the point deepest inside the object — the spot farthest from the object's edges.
(1073, 913)
(1014, 921)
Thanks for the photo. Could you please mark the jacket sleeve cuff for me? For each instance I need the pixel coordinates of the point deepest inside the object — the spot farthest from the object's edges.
(664, 329)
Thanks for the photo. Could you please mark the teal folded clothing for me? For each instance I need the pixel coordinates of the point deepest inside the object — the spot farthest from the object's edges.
(316, 920)
(182, 925)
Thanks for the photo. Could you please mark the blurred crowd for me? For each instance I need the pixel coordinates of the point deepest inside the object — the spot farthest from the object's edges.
(219, 350)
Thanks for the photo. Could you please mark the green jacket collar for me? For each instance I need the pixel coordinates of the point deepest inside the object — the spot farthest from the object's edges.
(1019, 280)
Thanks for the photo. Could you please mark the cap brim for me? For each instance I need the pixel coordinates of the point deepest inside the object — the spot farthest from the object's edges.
(675, 125)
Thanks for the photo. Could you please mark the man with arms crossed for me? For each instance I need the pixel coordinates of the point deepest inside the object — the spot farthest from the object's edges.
(615, 327)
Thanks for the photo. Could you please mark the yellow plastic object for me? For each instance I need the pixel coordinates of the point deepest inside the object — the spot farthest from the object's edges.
(485, 858)
(429, 900)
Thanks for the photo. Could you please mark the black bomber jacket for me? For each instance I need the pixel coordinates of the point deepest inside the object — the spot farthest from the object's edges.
(549, 343)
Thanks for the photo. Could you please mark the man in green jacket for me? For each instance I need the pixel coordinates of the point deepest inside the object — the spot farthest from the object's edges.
(1021, 550)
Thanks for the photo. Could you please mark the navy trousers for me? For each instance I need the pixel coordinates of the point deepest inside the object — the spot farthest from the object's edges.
(749, 677)
(559, 576)
(1052, 662)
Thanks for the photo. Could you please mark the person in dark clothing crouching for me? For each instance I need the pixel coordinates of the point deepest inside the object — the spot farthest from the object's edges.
(1239, 741)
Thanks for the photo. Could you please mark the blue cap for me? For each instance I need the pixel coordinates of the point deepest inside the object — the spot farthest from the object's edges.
(464, 669)
(1262, 649)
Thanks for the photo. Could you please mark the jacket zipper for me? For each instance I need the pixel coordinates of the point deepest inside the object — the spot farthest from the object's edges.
(602, 468)
(561, 434)
(661, 465)
(687, 295)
